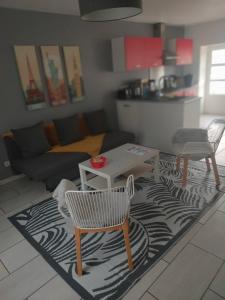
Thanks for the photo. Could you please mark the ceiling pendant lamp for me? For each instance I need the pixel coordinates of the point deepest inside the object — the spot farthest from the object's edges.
(109, 10)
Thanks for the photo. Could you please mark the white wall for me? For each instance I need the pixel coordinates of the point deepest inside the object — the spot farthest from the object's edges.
(204, 34)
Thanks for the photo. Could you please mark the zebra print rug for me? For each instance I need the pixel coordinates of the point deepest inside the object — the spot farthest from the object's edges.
(160, 214)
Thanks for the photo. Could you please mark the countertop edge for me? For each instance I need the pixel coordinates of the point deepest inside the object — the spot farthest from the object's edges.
(182, 100)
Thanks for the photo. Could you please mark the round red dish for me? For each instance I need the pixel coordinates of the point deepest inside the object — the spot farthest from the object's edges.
(100, 163)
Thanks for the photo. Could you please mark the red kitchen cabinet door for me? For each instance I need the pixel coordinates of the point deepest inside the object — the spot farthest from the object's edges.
(184, 51)
(143, 52)
(153, 52)
(134, 53)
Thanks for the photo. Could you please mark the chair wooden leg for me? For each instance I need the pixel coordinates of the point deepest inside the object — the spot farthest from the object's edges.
(125, 227)
(207, 164)
(78, 251)
(217, 177)
(185, 171)
(178, 158)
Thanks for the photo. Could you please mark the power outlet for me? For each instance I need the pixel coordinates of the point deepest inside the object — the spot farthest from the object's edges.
(6, 163)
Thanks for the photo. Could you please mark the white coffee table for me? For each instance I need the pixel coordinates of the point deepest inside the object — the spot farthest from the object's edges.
(120, 161)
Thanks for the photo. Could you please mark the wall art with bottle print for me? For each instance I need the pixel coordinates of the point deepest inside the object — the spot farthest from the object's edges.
(56, 86)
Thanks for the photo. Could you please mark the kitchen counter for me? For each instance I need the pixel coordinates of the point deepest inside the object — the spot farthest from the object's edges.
(154, 121)
(164, 99)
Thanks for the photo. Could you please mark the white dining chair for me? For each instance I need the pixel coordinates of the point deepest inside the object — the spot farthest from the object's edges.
(196, 144)
(100, 211)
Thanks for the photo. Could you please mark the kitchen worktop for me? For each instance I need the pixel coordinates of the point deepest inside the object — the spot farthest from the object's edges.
(164, 99)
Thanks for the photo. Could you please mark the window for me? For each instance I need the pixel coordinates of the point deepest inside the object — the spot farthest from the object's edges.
(217, 73)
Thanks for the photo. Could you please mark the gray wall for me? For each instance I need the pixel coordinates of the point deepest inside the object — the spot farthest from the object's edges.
(204, 34)
(20, 27)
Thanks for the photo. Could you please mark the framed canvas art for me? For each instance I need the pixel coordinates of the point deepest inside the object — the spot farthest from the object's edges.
(56, 85)
(74, 73)
(29, 73)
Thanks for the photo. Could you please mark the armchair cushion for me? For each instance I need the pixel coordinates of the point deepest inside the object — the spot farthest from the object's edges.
(68, 130)
(115, 139)
(31, 141)
(97, 121)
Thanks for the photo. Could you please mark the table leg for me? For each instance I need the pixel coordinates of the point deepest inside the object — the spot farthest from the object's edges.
(83, 179)
(156, 168)
(215, 169)
(185, 171)
(109, 182)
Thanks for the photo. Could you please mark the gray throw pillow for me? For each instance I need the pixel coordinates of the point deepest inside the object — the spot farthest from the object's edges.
(97, 121)
(68, 130)
(31, 141)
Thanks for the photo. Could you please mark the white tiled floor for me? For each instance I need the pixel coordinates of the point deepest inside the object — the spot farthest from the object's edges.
(218, 285)
(147, 280)
(211, 236)
(24, 281)
(18, 255)
(194, 269)
(188, 276)
(210, 295)
(55, 289)
(9, 238)
(3, 272)
(4, 224)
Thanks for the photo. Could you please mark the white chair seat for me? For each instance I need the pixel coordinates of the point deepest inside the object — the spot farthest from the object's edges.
(196, 150)
(194, 144)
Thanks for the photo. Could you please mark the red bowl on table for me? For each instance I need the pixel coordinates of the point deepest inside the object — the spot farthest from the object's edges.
(98, 162)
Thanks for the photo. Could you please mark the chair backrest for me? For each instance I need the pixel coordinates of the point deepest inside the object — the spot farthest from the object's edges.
(101, 208)
(215, 132)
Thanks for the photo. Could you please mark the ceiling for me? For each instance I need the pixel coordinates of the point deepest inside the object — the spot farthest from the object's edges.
(174, 12)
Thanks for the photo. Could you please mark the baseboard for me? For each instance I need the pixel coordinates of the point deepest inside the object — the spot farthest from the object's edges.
(11, 178)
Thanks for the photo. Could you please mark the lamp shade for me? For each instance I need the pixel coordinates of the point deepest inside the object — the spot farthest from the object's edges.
(109, 10)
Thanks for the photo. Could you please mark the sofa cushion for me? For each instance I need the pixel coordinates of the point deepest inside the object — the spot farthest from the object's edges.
(68, 130)
(32, 140)
(96, 121)
(115, 139)
(44, 166)
(83, 125)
